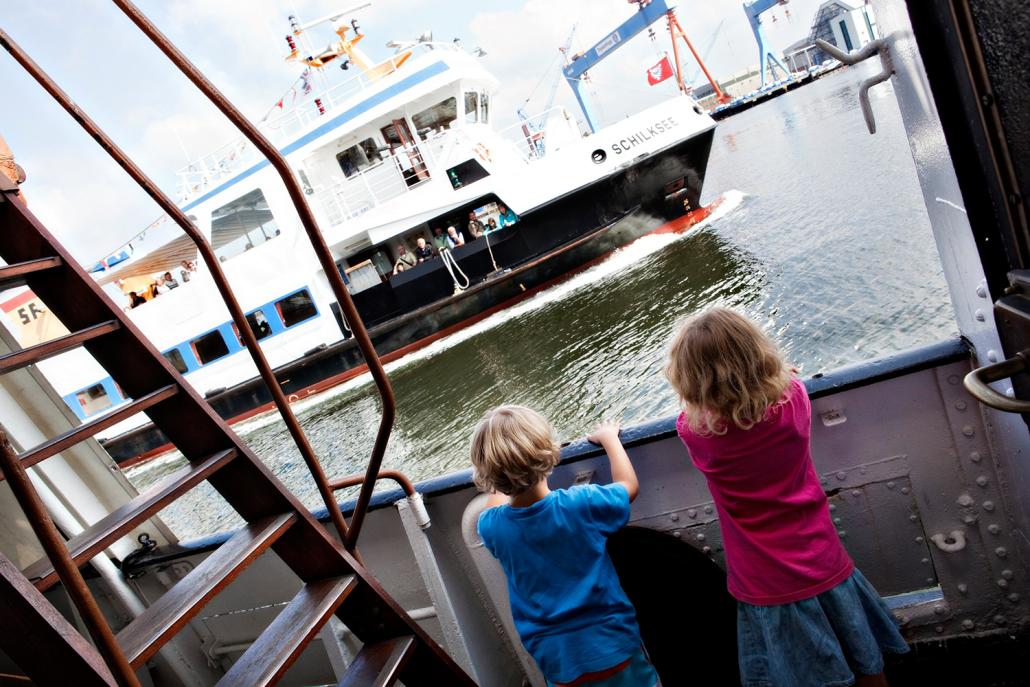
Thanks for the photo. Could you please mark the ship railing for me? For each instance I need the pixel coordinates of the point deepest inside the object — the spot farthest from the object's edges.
(529, 137)
(236, 155)
(393, 176)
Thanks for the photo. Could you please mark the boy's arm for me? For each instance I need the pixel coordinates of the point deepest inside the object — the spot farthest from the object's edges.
(607, 435)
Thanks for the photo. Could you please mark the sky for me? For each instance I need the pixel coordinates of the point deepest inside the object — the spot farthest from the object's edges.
(155, 115)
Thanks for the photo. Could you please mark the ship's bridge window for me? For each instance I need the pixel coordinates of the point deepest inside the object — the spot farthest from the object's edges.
(296, 308)
(359, 156)
(209, 347)
(484, 108)
(471, 107)
(238, 226)
(436, 118)
(93, 399)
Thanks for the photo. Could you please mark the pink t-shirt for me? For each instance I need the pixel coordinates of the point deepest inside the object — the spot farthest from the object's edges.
(781, 545)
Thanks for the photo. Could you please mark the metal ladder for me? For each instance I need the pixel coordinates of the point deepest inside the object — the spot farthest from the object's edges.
(334, 580)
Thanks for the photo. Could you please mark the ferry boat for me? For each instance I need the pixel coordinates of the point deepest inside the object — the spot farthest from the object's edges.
(922, 455)
(392, 156)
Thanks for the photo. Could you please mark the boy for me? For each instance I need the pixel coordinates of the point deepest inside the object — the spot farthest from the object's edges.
(570, 612)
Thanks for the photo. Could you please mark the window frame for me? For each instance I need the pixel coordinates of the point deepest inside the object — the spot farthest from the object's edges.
(282, 317)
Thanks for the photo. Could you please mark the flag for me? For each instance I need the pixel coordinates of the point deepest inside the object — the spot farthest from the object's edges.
(305, 81)
(660, 72)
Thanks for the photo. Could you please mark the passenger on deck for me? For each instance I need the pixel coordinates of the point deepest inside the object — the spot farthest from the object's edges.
(439, 239)
(507, 217)
(475, 226)
(405, 260)
(805, 615)
(188, 268)
(169, 281)
(569, 609)
(422, 251)
(454, 237)
(491, 225)
(136, 300)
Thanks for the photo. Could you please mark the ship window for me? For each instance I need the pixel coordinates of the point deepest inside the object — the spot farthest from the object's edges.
(209, 347)
(258, 324)
(465, 173)
(358, 157)
(174, 356)
(484, 101)
(296, 308)
(471, 108)
(94, 399)
(242, 224)
(437, 117)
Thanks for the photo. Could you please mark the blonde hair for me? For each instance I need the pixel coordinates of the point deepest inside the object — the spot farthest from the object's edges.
(513, 448)
(725, 369)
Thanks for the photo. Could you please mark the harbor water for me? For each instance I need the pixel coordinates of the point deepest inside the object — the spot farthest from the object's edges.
(821, 235)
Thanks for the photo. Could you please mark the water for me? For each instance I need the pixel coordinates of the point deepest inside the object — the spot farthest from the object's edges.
(822, 236)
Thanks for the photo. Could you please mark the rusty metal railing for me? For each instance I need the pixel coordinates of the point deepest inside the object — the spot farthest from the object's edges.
(353, 480)
(347, 534)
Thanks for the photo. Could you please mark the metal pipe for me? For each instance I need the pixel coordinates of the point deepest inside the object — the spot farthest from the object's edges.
(71, 577)
(204, 248)
(318, 243)
(353, 480)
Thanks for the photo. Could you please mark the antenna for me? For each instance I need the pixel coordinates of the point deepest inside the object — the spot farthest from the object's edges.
(332, 17)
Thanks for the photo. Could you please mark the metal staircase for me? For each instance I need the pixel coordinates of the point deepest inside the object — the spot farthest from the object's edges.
(334, 581)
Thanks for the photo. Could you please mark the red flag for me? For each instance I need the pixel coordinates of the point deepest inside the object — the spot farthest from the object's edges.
(660, 72)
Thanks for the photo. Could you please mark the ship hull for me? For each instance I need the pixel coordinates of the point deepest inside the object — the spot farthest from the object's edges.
(413, 309)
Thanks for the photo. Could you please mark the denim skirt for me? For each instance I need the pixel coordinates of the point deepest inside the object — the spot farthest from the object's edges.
(818, 642)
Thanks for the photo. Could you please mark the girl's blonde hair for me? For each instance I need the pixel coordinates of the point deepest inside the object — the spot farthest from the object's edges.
(513, 448)
(725, 369)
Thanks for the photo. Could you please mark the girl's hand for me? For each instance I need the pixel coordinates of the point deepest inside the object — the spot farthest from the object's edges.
(606, 431)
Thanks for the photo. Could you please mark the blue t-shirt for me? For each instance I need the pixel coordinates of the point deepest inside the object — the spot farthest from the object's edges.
(568, 606)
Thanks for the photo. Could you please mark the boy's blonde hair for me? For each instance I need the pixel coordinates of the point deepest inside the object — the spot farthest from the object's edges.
(725, 369)
(513, 448)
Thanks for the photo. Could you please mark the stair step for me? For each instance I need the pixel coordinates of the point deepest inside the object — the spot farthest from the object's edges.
(18, 271)
(283, 640)
(379, 664)
(88, 429)
(148, 632)
(119, 522)
(48, 349)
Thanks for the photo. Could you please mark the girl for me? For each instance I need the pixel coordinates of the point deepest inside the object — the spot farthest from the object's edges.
(805, 615)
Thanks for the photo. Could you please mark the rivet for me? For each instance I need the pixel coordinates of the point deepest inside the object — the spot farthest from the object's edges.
(836, 521)
(706, 549)
(939, 629)
(842, 475)
(969, 519)
(1001, 552)
(992, 356)
(913, 518)
(692, 513)
(963, 588)
(939, 610)
(701, 537)
(842, 533)
(1013, 597)
(902, 619)
(833, 507)
(1010, 392)
(953, 380)
(981, 291)
(960, 405)
(677, 534)
(905, 490)
(994, 528)
(856, 493)
(999, 620)
(968, 430)
(979, 315)
(968, 624)
(708, 509)
(981, 481)
(988, 506)
(925, 561)
(930, 580)
(965, 500)
(1007, 574)
(919, 540)
(890, 485)
(1004, 584)
(975, 456)
(674, 517)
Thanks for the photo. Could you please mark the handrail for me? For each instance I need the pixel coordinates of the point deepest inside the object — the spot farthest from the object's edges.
(212, 262)
(325, 257)
(55, 548)
(353, 480)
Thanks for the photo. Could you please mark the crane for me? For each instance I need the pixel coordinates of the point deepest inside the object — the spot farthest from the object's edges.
(766, 58)
(708, 51)
(534, 130)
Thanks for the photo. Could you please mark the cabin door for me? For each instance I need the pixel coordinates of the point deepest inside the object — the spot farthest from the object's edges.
(405, 151)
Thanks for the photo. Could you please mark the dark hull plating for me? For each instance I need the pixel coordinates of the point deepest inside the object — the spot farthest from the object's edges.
(418, 306)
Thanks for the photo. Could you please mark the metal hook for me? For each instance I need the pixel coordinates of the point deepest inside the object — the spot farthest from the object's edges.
(877, 47)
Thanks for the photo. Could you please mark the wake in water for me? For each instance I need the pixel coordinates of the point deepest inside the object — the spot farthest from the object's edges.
(624, 259)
